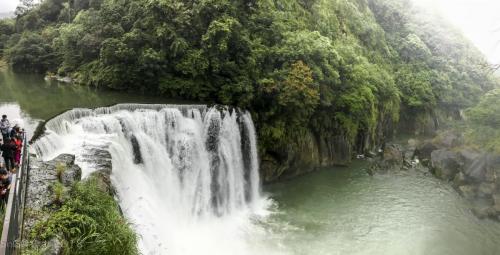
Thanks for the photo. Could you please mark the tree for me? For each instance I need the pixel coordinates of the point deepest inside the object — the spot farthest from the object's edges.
(31, 53)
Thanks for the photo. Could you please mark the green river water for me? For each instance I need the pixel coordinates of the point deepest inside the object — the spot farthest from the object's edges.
(333, 211)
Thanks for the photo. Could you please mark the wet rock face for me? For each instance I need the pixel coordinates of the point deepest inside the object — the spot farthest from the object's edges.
(394, 158)
(100, 159)
(42, 176)
(305, 154)
(445, 163)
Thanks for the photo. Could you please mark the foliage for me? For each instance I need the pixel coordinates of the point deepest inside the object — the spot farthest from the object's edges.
(483, 122)
(35, 249)
(487, 112)
(60, 169)
(336, 67)
(31, 53)
(58, 193)
(89, 222)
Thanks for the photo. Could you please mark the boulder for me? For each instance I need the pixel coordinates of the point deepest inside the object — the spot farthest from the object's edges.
(393, 155)
(54, 247)
(71, 173)
(445, 163)
(486, 189)
(477, 169)
(460, 179)
(483, 208)
(391, 160)
(449, 139)
(467, 191)
(468, 156)
(484, 167)
(424, 150)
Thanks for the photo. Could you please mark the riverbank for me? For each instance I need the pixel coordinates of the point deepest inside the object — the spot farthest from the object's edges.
(472, 172)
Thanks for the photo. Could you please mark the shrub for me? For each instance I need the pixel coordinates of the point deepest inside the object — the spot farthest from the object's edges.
(89, 222)
(58, 193)
(60, 169)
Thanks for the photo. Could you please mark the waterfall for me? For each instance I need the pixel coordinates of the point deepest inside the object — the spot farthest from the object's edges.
(186, 175)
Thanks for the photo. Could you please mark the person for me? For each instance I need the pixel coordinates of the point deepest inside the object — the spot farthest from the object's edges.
(8, 149)
(5, 183)
(18, 141)
(5, 127)
(15, 131)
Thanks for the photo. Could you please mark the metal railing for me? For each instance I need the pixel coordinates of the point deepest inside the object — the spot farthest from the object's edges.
(10, 242)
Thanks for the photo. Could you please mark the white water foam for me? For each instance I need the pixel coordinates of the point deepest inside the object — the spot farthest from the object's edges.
(187, 176)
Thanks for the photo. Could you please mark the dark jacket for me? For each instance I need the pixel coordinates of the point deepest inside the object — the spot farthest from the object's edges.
(13, 132)
(4, 183)
(8, 150)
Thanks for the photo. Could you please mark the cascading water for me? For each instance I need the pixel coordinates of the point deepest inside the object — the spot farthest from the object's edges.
(187, 176)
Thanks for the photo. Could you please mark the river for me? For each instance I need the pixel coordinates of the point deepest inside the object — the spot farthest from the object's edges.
(332, 211)
(28, 98)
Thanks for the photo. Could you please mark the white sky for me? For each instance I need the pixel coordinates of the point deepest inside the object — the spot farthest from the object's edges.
(8, 5)
(478, 19)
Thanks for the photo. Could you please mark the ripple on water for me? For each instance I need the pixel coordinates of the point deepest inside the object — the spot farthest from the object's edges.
(345, 211)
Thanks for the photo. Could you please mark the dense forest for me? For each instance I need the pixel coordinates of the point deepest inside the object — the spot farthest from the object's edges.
(344, 70)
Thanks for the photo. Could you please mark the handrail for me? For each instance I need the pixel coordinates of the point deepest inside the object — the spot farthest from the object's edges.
(4, 243)
(14, 213)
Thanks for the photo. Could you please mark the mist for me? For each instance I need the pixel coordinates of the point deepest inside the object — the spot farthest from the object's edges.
(477, 19)
(8, 5)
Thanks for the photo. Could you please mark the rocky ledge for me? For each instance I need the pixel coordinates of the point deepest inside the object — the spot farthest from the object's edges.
(475, 174)
(42, 196)
(40, 187)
